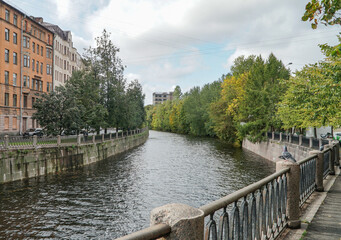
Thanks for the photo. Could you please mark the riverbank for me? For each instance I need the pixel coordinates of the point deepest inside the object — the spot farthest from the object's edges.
(19, 164)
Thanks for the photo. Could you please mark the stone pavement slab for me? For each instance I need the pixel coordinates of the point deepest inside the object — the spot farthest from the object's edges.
(326, 224)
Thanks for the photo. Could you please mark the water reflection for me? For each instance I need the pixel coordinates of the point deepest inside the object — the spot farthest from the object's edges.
(114, 197)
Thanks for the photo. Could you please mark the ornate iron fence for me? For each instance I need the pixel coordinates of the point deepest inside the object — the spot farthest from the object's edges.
(305, 141)
(46, 141)
(20, 142)
(68, 139)
(257, 211)
(307, 177)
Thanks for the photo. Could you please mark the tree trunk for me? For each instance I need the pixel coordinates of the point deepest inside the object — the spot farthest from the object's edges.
(315, 132)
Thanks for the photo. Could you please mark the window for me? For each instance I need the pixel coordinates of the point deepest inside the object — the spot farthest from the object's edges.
(48, 87)
(41, 68)
(28, 61)
(15, 19)
(33, 64)
(37, 66)
(15, 38)
(25, 61)
(28, 81)
(6, 55)
(6, 99)
(33, 83)
(14, 79)
(15, 58)
(14, 100)
(41, 50)
(15, 123)
(7, 15)
(40, 85)
(6, 77)
(48, 69)
(33, 100)
(37, 85)
(25, 81)
(26, 42)
(34, 46)
(6, 34)
(37, 48)
(25, 25)
(25, 101)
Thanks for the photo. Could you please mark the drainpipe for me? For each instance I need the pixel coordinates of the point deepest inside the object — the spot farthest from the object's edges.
(21, 72)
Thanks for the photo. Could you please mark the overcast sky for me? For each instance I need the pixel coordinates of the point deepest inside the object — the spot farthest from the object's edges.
(165, 43)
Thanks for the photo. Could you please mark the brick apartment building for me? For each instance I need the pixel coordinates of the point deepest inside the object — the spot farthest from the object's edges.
(26, 58)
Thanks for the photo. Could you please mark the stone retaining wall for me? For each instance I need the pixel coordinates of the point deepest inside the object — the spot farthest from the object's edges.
(272, 149)
(26, 163)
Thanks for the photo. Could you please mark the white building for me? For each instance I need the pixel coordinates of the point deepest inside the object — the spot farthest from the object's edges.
(66, 57)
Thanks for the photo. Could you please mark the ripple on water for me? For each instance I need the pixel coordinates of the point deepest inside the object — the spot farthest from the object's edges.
(114, 197)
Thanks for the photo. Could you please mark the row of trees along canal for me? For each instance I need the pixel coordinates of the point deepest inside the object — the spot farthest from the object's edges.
(257, 96)
(95, 97)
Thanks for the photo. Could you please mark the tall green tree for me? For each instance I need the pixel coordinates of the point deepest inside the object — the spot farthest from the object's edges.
(58, 112)
(108, 68)
(135, 102)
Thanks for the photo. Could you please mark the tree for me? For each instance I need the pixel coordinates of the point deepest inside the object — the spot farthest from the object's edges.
(135, 112)
(108, 68)
(85, 88)
(314, 96)
(327, 12)
(58, 112)
(263, 90)
(324, 11)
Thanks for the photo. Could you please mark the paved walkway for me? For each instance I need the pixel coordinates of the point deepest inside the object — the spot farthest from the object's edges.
(326, 225)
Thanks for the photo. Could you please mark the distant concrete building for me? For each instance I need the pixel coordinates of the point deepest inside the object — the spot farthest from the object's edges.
(66, 57)
(160, 97)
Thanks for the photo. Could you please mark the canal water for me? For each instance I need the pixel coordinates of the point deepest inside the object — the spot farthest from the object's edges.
(114, 197)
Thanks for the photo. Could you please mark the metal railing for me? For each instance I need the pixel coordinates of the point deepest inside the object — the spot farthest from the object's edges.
(21, 142)
(307, 177)
(257, 211)
(326, 167)
(46, 141)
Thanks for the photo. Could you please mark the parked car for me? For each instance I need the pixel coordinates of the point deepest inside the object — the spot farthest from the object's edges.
(33, 131)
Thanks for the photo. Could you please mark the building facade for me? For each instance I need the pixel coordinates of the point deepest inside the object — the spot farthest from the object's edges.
(26, 57)
(66, 57)
(160, 97)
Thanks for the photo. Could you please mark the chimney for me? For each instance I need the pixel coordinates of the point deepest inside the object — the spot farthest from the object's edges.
(38, 19)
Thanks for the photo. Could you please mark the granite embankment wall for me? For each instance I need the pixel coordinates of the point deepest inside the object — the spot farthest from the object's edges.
(272, 149)
(18, 164)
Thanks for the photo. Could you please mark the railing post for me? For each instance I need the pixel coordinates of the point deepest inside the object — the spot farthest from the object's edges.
(280, 136)
(102, 137)
(320, 142)
(319, 170)
(290, 138)
(78, 140)
(273, 135)
(300, 139)
(116, 133)
(311, 142)
(59, 140)
(94, 139)
(337, 155)
(35, 140)
(186, 222)
(6, 141)
(293, 192)
(331, 159)
(336, 151)
(110, 136)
